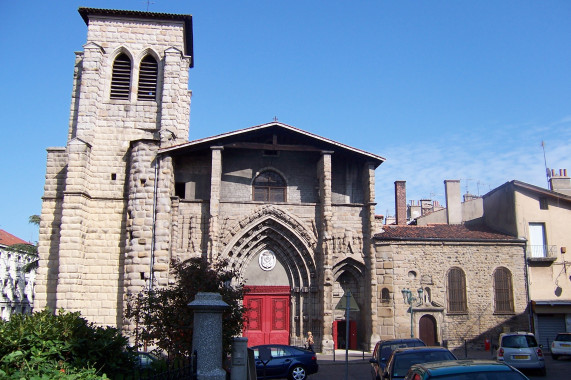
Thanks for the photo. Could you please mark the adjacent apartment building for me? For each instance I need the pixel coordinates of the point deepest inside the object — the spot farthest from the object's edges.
(543, 218)
(16, 279)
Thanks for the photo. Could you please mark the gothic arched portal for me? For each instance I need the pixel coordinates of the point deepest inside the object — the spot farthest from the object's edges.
(274, 255)
(349, 275)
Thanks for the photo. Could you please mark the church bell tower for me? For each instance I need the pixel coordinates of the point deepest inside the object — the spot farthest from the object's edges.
(130, 92)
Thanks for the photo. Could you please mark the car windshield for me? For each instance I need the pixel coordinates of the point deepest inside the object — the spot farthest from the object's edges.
(402, 361)
(500, 375)
(519, 341)
(387, 349)
(563, 338)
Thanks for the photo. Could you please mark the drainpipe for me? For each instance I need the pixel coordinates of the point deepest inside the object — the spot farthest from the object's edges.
(152, 263)
(526, 274)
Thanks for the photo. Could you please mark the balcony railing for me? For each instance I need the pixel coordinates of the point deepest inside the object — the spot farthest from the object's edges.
(541, 252)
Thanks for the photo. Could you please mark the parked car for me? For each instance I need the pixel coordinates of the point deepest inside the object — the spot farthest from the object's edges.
(384, 349)
(561, 345)
(464, 370)
(403, 358)
(145, 360)
(276, 361)
(520, 350)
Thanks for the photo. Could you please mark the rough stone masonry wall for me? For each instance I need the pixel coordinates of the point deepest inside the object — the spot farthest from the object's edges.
(141, 251)
(431, 262)
(82, 238)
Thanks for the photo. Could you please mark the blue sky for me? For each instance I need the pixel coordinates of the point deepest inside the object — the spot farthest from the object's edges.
(442, 89)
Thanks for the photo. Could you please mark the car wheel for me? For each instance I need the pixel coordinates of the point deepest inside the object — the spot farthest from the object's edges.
(297, 373)
(555, 356)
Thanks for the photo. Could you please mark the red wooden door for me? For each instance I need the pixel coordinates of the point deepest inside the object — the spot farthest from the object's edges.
(339, 332)
(267, 315)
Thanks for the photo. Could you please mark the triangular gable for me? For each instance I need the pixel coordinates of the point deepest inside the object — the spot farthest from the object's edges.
(229, 138)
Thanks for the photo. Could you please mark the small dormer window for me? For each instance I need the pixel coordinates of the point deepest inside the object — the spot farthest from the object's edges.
(269, 186)
(148, 74)
(121, 77)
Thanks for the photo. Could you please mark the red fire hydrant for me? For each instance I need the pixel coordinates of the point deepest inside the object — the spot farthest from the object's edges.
(487, 344)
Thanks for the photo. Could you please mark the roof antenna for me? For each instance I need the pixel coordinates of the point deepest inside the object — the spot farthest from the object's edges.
(149, 2)
(547, 171)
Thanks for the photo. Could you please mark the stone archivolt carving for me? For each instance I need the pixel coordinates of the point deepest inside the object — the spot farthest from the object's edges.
(277, 214)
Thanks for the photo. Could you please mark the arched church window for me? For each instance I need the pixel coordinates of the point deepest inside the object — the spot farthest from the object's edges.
(121, 77)
(385, 295)
(269, 186)
(457, 291)
(503, 292)
(148, 74)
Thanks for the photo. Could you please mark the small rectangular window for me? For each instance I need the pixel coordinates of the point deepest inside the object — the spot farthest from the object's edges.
(543, 205)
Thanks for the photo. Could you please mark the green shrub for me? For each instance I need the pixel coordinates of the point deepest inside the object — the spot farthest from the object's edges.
(47, 346)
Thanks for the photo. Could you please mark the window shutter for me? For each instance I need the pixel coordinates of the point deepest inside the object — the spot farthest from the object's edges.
(148, 74)
(121, 77)
(503, 291)
(457, 291)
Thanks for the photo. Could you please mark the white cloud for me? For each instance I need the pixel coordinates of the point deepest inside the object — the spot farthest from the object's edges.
(481, 161)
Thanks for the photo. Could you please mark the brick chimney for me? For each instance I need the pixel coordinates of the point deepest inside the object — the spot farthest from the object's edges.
(400, 202)
(453, 201)
(560, 183)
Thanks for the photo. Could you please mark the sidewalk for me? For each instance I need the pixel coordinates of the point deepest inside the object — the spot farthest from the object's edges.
(355, 357)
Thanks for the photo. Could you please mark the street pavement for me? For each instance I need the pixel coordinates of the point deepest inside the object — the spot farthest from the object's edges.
(357, 367)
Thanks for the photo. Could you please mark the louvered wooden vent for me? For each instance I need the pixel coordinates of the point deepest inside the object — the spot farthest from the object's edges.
(457, 291)
(503, 290)
(121, 78)
(148, 79)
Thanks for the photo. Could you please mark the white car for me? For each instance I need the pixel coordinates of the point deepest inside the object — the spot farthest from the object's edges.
(561, 345)
(520, 350)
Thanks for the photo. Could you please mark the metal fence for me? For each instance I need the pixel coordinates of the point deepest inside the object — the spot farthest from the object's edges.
(181, 368)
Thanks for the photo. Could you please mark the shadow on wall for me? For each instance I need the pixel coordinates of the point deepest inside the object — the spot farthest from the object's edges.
(463, 349)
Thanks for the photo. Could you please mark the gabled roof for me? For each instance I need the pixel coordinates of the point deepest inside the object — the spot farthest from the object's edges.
(532, 188)
(7, 239)
(296, 137)
(444, 232)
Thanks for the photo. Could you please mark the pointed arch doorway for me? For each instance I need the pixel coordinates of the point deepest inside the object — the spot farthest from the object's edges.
(427, 330)
(272, 253)
(267, 315)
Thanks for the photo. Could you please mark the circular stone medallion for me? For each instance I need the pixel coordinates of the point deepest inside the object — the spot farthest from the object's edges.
(267, 260)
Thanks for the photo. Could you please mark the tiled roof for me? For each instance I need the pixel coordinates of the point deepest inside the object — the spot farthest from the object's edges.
(442, 232)
(7, 239)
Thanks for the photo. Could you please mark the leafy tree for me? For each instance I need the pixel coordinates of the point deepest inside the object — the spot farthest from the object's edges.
(34, 219)
(44, 345)
(162, 317)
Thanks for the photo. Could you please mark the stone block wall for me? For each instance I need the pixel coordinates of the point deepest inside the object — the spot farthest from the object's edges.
(83, 232)
(426, 264)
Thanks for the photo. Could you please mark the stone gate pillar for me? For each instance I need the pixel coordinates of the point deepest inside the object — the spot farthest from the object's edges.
(207, 335)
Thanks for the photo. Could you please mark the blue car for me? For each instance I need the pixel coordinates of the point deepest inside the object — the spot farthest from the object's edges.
(384, 349)
(464, 370)
(403, 358)
(277, 361)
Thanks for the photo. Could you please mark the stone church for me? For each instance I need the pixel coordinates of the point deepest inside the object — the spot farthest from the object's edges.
(292, 212)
